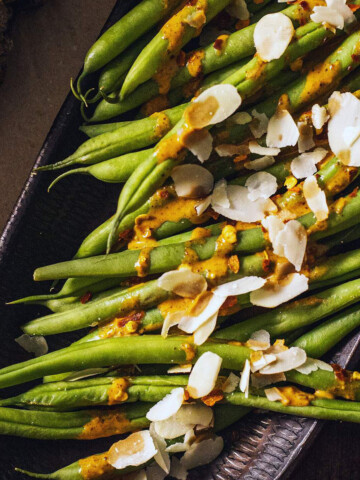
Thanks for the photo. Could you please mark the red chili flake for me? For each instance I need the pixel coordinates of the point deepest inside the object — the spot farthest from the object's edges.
(86, 297)
(218, 44)
(133, 317)
(353, 7)
(305, 5)
(229, 302)
(126, 235)
(213, 214)
(266, 264)
(163, 193)
(213, 397)
(354, 192)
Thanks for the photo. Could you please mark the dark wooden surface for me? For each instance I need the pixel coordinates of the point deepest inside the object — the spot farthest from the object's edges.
(37, 82)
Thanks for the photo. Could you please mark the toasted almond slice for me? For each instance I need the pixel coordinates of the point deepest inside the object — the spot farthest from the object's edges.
(254, 147)
(272, 35)
(203, 377)
(264, 360)
(231, 383)
(282, 130)
(202, 333)
(183, 282)
(219, 195)
(315, 198)
(293, 240)
(166, 407)
(238, 9)
(202, 453)
(136, 449)
(240, 286)
(259, 125)
(190, 323)
(305, 164)
(245, 378)
(273, 394)
(202, 206)
(186, 368)
(271, 296)
(189, 438)
(261, 336)
(200, 144)
(260, 381)
(319, 116)
(240, 118)
(261, 185)
(35, 344)
(162, 457)
(306, 137)
(274, 225)
(229, 150)
(225, 99)
(336, 13)
(290, 359)
(241, 207)
(177, 470)
(192, 181)
(171, 319)
(184, 420)
(260, 163)
(313, 364)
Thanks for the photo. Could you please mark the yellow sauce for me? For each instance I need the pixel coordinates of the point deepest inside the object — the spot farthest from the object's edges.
(293, 397)
(194, 63)
(117, 392)
(163, 124)
(95, 466)
(106, 425)
(142, 264)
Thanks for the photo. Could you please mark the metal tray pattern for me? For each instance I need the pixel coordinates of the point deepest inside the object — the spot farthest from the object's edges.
(45, 228)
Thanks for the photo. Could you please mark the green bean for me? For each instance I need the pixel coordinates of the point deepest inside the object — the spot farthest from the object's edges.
(225, 415)
(131, 136)
(163, 46)
(296, 314)
(84, 425)
(124, 33)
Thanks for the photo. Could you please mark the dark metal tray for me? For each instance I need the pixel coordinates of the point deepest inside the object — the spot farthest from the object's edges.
(45, 228)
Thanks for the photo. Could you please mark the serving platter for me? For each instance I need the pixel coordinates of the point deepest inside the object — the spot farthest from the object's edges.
(46, 228)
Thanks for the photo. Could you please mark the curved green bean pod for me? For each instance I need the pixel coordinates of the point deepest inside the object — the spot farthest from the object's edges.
(164, 46)
(123, 33)
(79, 425)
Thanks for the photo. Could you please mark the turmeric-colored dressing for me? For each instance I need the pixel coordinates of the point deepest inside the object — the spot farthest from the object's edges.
(199, 232)
(142, 264)
(258, 69)
(95, 466)
(106, 425)
(319, 79)
(122, 327)
(173, 305)
(189, 350)
(175, 28)
(117, 392)
(165, 74)
(293, 397)
(194, 63)
(305, 9)
(342, 178)
(163, 124)
(346, 383)
(220, 43)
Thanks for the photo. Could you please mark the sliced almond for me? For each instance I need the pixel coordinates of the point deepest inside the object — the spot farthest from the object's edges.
(162, 457)
(189, 438)
(202, 333)
(288, 360)
(261, 336)
(259, 125)
(186, 368)
(305, 164)
(166, 407)
(262, 361)
(271, 296)
(177, 470)
(336, 13)
(137, 449)
(184, 420)
(231, 383)
(273, 394)
(245, 378)
(313, 364)
(260, 163)
(190, 323)
(315, 198)
(202, 206)
(35, 344)
(200, 144)
(254, 147)
(282, 130)
(272, 35)
(261, 381)
(203, 377)
(219, 195)
(293, 241)
(261, 185)
(229, 150)
(192, 181)
(239, 287)
(306, 137)
(183, 282)
(319, 116)
(202, 453)
(240, 118)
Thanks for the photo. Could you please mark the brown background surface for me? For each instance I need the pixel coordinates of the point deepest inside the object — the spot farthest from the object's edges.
(49, 46)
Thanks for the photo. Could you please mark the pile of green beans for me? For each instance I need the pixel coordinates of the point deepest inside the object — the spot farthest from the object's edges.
(91, 388)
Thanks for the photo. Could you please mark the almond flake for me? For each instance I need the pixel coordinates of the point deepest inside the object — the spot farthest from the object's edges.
(183, 282)
(231, 383)
(282, 130)
(245, 378)
(271, 296)
(202, 333)
(293, 240)
(261, 336)
(177, 470)
(273, 394)
(259, 125)
(254, 147)
(260, 163)
(192, 181)
(272, 35)
(219, 195)
(261, 185)
(35, 344)
(260, 381)
(202, 206)
(262, 361)
(315, 198)
(203, 377)
(305, 164)
(336, 13)
(171, 319)
(240, 118)
(190, 323)
(154, 472)
(166, 407)
(189, 438)
(162, 457)
(229, 150)
(319, 116)
(227, 99)
(239, 287)
(306, 137)
(313, 364)
(180, 369)
(137, 449)
(288, 360)
(202, 453)
(184, 420)
(200, 144)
